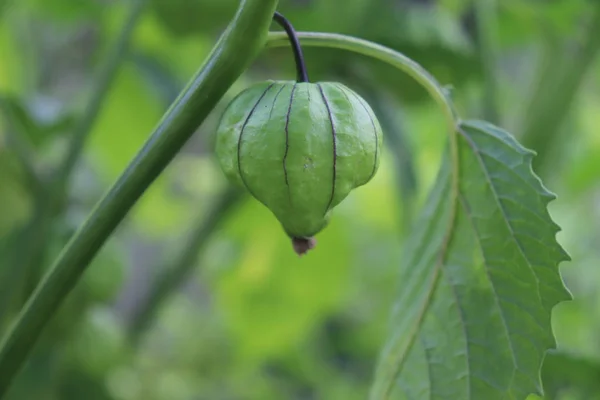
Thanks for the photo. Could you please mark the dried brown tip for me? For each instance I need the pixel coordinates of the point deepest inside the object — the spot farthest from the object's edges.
(303, 245)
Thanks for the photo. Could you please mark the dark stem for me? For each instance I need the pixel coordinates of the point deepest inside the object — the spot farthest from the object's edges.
(289, 29)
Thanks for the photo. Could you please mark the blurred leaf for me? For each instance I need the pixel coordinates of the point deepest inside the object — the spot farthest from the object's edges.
(270, 297)
(76, 383)
(15, 132)
(66, 10)
(563, 372)
(395, 129)
(3, 6)
(581, 162)
(15, 203)
(428, 33)
(14, 109)
(105, 276)
(479, 281)
(164, 82)
(37, 376)
(555, 97)
(421, 25)
(486, 24)
(376, 203)
(525, 20)
(98, 343)
(447, 66)
(393, 120)
(12, 73)
(324, 16)
(38, 132)
(431, 35)
(178, 268)
(180, 55)
(577, 322)
(189, 17)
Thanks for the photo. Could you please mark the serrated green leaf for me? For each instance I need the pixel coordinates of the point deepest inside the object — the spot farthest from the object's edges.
(480, 278)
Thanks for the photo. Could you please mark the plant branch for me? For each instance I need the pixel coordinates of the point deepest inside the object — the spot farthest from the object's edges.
(178, 269)
(487, 44)
(233, 53)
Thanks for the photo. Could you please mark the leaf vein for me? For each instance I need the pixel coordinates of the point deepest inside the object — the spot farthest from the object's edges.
(428, 362)
(461, 315)
(467, 210)
(502, 210)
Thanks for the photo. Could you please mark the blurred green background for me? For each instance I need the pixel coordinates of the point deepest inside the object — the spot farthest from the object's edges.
(199, 295)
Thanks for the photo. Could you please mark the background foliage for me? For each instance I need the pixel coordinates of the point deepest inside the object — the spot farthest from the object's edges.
(246, 318)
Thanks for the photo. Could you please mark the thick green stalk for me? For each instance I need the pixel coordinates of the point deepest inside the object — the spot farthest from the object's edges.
(542, 126)
(178, 269)
(235, 50)
(487, 45)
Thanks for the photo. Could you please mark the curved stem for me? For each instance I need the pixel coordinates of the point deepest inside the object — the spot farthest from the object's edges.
(382, 53)
(236, 49)
(302, 75)
(384, 383)
(394, 58)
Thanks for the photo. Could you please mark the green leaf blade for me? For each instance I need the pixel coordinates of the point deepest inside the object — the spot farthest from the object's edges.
(522, 201)
(481, 276)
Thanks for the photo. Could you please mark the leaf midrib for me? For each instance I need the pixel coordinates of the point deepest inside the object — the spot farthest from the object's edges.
(488, 178)
(455, 199)
(492, 285)
(436, 273)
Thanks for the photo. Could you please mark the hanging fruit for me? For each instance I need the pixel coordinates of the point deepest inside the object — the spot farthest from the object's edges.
(299, 147)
